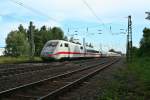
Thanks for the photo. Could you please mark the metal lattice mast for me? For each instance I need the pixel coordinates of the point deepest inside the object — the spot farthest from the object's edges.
(129, 40)
(31, 41)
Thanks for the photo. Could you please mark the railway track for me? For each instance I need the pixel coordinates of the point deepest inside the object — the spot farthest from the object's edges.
(54, 86)
(15, 80)
(29, 69)
(28, 65)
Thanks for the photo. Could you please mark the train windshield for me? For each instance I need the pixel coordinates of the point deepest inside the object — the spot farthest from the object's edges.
(52, 44)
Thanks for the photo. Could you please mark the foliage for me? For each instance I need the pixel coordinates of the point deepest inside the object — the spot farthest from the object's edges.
(135, 51)
(132, 82)
(45, 34)
(57, 33)
(129, 83)
(145, 43)
(19, 59)
(17, 42)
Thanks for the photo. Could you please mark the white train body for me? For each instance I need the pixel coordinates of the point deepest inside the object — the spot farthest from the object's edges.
(113, 54)
(58, 49)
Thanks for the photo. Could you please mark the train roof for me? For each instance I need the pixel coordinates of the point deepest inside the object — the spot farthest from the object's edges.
(63, 41)
(87, 47)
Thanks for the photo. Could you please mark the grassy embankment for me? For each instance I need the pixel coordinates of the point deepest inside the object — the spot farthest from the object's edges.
(6, 60)
(129, 83)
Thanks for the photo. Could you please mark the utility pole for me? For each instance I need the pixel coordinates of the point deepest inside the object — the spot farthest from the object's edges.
(31, 41)
(84, 46)
(68, 34)
(101, 47)
(84, 43)
(129, 41)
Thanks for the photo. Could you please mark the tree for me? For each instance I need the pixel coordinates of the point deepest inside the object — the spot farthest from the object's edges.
(46, 34)
(41, 37)
(19, 42)
(16, 44)
(57, 33)
(22, 29)
(145, 43)
(135, 51)
(38, 42)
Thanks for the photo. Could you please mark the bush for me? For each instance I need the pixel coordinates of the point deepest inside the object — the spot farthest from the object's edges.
(130, 83)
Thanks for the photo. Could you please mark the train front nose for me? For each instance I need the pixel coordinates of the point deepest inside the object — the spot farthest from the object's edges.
(48, 50)
(47, 53)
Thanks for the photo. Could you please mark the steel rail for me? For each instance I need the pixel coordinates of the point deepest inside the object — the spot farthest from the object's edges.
(21, 71)
(51, 78)
(2, 68)
(53, 95)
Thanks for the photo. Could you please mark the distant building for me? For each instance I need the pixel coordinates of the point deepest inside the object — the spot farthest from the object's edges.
(2, 51)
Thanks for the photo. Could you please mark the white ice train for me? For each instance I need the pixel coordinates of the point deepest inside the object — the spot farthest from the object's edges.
(60, 49)
(113, 54)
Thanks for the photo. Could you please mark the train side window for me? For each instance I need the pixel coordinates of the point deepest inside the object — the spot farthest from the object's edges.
(66, 45)
(61, 45)
(81, 48)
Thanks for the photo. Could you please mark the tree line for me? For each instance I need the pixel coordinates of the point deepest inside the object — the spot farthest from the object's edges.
(17, 41)
(144, 49)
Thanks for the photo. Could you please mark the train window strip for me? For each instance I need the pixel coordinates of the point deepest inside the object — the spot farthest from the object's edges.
(93, 51)
(66, 45)
(61, 45)
(52, 44)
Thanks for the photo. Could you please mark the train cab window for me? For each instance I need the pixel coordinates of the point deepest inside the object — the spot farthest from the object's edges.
(52, 44)
(66, 45)
(81, 48)
(61, 45)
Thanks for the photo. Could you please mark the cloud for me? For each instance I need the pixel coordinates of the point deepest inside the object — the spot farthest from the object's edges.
(63, 10)
(74, 13)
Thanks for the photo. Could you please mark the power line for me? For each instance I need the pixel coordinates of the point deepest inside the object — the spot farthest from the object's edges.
(93, 12)
(84, 27)
(41, 13)
(32, 9)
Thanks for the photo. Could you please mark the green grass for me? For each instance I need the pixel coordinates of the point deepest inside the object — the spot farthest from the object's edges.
(129, 83)
(21, 59)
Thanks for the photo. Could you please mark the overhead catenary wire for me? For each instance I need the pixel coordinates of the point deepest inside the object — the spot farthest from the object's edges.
(41, 13)
(96, 16)
(33, 10)
(93, 12)
(55, 20)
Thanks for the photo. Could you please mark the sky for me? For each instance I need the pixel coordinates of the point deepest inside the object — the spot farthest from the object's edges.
(75, 15)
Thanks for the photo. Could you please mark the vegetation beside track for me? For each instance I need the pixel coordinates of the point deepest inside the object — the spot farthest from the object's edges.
(129, 83)
(20, 59)
(132, 82)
